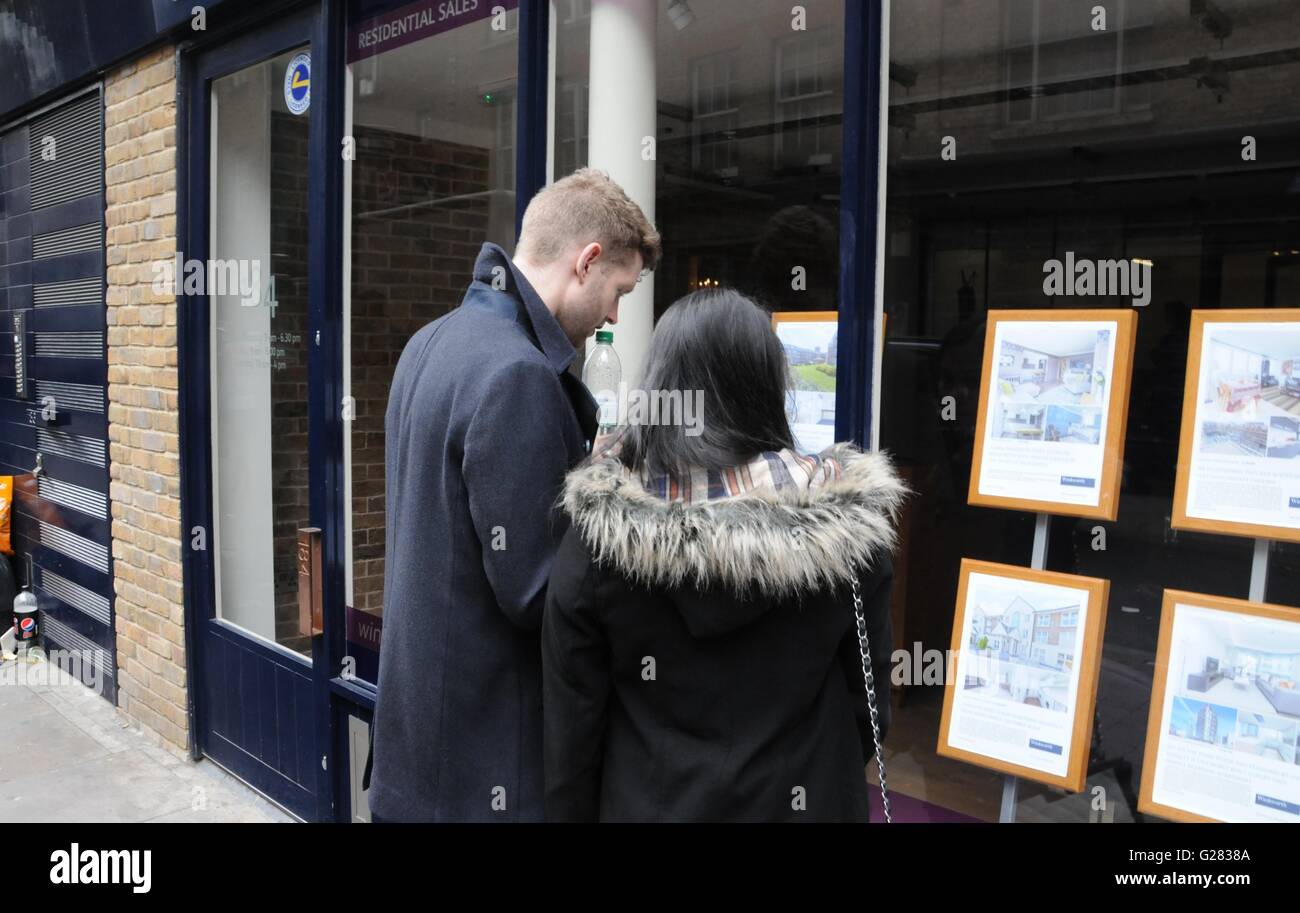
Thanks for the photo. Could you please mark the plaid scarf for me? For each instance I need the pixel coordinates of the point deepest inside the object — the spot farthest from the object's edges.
(778, 470)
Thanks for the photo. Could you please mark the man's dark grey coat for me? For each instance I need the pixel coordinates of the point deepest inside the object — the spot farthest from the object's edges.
(483, 423)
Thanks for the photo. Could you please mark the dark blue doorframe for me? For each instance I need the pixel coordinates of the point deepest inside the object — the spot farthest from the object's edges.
(258, 710)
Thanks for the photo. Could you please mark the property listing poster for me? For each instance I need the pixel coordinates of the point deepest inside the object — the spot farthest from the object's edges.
(1228, 725)
(1047, 412)
(1017, 680)
(811, 351)
(1244, 464)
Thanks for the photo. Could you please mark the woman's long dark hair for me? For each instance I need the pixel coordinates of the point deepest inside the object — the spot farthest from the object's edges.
(718, 342)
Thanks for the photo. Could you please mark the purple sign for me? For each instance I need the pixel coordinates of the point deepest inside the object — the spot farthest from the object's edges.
(364, 628)
(416, 21)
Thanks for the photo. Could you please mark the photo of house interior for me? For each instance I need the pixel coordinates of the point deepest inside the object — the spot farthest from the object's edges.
(1265, 736)
(1249, 372)
(1235, 438)
(1019, 421)
(1283, 437)
(1251, 666)
(1076, 424)
(1021, 644)
(1040, 364)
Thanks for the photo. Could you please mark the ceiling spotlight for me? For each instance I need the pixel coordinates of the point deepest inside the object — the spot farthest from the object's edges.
(679, 11)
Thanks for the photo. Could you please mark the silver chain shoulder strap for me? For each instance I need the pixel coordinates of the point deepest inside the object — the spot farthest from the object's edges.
(864, 647)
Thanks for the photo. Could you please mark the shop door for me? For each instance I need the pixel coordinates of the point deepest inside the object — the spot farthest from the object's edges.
(253, 376)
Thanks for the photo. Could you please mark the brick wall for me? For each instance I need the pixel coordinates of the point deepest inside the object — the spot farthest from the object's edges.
(140, 187)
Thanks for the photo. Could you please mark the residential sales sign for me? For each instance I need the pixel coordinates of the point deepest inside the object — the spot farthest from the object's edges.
(416, 21)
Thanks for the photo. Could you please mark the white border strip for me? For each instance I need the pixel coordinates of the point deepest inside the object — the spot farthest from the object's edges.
(882, 163)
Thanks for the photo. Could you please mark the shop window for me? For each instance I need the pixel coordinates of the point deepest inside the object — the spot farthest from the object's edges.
(1123, 144)
(432, 114)
(748, 143)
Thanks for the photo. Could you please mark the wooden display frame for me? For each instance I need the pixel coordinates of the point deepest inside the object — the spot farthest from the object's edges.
(1087, 654)
(1187, 434)
(1159, 685)
(1119, 388)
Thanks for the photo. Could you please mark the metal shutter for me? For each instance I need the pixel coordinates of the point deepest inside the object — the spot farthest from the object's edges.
(52, 287)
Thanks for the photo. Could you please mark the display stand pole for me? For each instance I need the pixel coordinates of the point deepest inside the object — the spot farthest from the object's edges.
(1259, 570)
(1038, 561)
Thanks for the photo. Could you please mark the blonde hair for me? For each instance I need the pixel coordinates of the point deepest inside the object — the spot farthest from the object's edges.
(583, 207)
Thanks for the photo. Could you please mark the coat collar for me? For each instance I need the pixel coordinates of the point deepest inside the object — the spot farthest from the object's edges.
(766, 542)
(536, 318)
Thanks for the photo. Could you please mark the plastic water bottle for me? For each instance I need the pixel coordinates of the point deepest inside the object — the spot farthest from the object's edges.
(602, 374)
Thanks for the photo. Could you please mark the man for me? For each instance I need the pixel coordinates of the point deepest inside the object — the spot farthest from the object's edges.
(483, 422)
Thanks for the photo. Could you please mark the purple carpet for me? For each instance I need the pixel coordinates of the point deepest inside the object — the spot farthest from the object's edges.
(907, 810)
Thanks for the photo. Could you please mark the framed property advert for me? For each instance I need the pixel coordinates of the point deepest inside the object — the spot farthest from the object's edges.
(1022, 682)
(1225, 712)
(811, 343)
(1053, 404)
(1239, 452)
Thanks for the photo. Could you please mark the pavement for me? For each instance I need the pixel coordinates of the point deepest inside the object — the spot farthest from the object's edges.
(66, 755)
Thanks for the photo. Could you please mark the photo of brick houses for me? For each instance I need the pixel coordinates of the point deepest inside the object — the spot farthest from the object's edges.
(1024, 646)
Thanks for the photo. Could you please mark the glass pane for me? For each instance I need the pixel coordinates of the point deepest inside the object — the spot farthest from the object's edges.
(432, 115)
(259, 345)
(747, 166)
(1102, 147)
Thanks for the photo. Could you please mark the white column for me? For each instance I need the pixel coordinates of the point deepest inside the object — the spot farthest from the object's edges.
(620, 116)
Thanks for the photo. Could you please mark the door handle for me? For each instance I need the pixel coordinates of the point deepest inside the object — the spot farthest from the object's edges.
(310, 609)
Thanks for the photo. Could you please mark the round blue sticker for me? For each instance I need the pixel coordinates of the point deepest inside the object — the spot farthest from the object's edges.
(297, 83)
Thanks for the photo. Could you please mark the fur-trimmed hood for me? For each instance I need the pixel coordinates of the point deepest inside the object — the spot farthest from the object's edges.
(757, 547)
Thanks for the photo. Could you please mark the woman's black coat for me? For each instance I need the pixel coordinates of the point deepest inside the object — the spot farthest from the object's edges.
(701, 661)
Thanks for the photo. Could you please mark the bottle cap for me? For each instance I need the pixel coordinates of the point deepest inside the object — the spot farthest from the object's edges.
(604, 336)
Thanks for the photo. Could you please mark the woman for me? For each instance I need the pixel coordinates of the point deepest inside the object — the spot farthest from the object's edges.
(700, 653)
